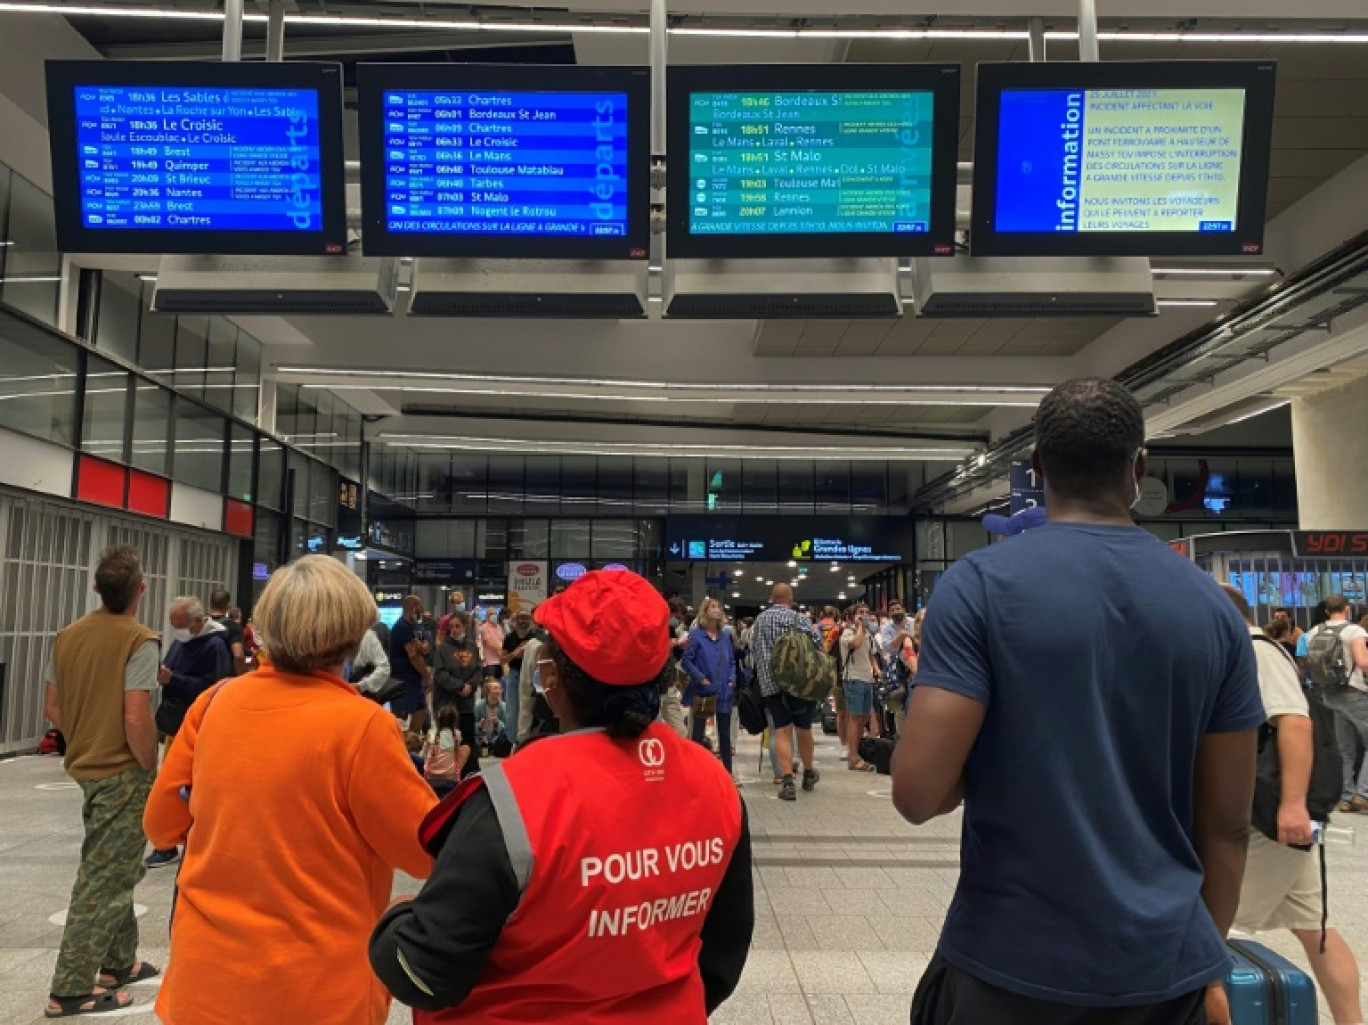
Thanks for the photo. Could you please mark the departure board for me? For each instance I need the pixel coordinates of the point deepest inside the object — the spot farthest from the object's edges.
(494, 162)
(775, 161)
(158, 158)
(1073, 160)
(197, 158)
(505, 161)
(1124, 158)
(779, 163)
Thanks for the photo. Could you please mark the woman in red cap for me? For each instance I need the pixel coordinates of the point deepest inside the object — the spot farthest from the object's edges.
(601, 875)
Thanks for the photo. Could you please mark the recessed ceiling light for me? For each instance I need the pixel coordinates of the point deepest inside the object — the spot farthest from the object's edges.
(736, 594)
(737, 572)
(792, 564)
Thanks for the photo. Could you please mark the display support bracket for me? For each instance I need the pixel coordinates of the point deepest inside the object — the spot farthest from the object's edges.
(232, 30)
(1036, 40)
(1087, 31)
(275, 31)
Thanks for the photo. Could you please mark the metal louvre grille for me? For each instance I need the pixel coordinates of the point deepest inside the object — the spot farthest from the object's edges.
(47, 555)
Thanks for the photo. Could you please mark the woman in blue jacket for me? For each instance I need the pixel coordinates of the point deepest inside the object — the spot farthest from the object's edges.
(711, 665)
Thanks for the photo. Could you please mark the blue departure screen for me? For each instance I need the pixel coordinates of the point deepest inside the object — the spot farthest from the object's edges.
(199, 159)
(779, 163)
(1119, 160)
(496, 162)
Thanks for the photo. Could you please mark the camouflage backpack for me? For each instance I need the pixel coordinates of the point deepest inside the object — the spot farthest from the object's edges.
(800, 667)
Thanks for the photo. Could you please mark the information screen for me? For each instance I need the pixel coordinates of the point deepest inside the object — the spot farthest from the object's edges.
(152, 157)
(186, 159)
(802, 539)
(502, 161)
(506, 163)
(779, 163)
(1122, 159)
(797, 160)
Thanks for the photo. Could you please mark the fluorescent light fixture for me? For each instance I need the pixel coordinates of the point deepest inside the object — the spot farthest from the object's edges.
(759, 580)
(6, 242)
(792, 564)
(146, 277)
(632, 383)
(737, 572)
(736, 594)
(701, 448)
(30, 279)
(717, 31)
(1258, 412)
(1248, 272)
(1187, 302)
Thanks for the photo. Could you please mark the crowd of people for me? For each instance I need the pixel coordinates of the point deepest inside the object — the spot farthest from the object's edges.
(1120, 816)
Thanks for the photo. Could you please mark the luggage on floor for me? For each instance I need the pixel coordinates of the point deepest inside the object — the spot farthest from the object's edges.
(878, 752)
(1267, 989)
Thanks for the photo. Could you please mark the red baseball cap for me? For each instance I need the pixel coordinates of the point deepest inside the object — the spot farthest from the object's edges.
(612, 624)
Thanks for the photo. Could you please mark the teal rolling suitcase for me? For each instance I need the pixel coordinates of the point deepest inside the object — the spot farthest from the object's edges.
(1267, 989)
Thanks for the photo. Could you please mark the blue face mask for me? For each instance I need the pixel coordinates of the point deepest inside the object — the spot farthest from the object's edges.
(459, 606)
(728, 630)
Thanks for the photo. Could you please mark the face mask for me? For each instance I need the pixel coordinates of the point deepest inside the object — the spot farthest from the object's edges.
(674, 623)
(181, 634)
(728, 630)
(458, 607)
(458, 637)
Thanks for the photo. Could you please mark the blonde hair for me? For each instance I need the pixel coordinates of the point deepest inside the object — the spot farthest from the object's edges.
(313, 615)
(917, 626)
(703, 610)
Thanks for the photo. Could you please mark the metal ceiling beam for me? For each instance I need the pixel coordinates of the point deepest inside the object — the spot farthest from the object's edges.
(339, 45)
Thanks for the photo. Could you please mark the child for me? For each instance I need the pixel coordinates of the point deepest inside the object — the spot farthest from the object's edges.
(446, 755)
(414, 743)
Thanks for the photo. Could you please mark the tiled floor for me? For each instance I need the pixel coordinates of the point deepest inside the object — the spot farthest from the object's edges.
(849, 897)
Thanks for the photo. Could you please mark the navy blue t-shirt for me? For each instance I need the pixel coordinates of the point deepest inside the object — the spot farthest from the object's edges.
(401, 666)
(1103, 658)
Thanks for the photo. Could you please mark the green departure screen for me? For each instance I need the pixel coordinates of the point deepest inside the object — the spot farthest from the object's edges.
(780, 163)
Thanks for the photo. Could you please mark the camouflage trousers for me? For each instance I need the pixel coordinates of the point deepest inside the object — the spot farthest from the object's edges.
(101, 931)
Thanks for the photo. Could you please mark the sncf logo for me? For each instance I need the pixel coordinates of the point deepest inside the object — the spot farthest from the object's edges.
(651, 752)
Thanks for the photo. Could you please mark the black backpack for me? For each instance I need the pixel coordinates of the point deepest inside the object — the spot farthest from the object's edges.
(1326, 663)
(750, 707)
(1323, 792)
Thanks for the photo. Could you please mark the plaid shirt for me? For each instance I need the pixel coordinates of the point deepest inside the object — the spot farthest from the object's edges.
(769, 626)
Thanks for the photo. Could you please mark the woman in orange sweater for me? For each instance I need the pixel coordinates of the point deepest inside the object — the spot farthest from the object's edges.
(304, 802)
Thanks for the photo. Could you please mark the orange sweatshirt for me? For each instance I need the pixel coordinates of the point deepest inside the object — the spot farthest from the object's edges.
(302, 802)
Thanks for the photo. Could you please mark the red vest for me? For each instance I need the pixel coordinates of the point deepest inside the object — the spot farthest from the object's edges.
(619, 846)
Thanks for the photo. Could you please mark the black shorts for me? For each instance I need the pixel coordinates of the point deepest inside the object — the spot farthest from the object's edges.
(493, 672)
(949, 996)
(785, 710)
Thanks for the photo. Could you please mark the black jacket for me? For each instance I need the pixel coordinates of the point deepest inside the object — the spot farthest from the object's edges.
(449, 675)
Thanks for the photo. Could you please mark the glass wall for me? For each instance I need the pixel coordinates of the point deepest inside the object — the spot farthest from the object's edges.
(207, 357)
(30, 266)
(316, 421)
(38, 378)
(473, 484)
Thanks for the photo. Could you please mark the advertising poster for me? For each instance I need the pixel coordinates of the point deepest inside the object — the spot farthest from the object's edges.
(526, 584)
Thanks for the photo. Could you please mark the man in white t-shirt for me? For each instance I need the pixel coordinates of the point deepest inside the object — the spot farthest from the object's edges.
(1282, 885)
(1351, 702)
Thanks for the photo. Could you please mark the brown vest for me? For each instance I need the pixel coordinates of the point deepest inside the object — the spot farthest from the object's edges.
(89, 658)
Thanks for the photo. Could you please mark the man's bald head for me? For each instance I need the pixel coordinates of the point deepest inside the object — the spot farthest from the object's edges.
(781, 595)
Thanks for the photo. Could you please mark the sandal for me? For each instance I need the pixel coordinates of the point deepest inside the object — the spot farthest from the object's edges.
(100, 1003)
(860, 767)
(140, 971)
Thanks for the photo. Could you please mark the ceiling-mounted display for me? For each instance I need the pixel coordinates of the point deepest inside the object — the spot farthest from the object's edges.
(197, 158)
(1134, 158)
(812, 160)
(504, 161)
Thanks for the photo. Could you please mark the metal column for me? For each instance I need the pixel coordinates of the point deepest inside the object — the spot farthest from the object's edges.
(1036, 44)
(275, 31)
(232, 30)
(1087, 31)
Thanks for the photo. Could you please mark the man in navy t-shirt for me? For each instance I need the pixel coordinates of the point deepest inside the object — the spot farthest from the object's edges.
(1093, 700)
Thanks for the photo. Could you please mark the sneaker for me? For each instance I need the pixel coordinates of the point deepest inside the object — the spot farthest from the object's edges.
(160, 859)
(845, 754)
(786, 791)
(810, 778)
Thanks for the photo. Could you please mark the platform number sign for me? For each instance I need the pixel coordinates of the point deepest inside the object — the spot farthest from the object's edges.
(1027, 489)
